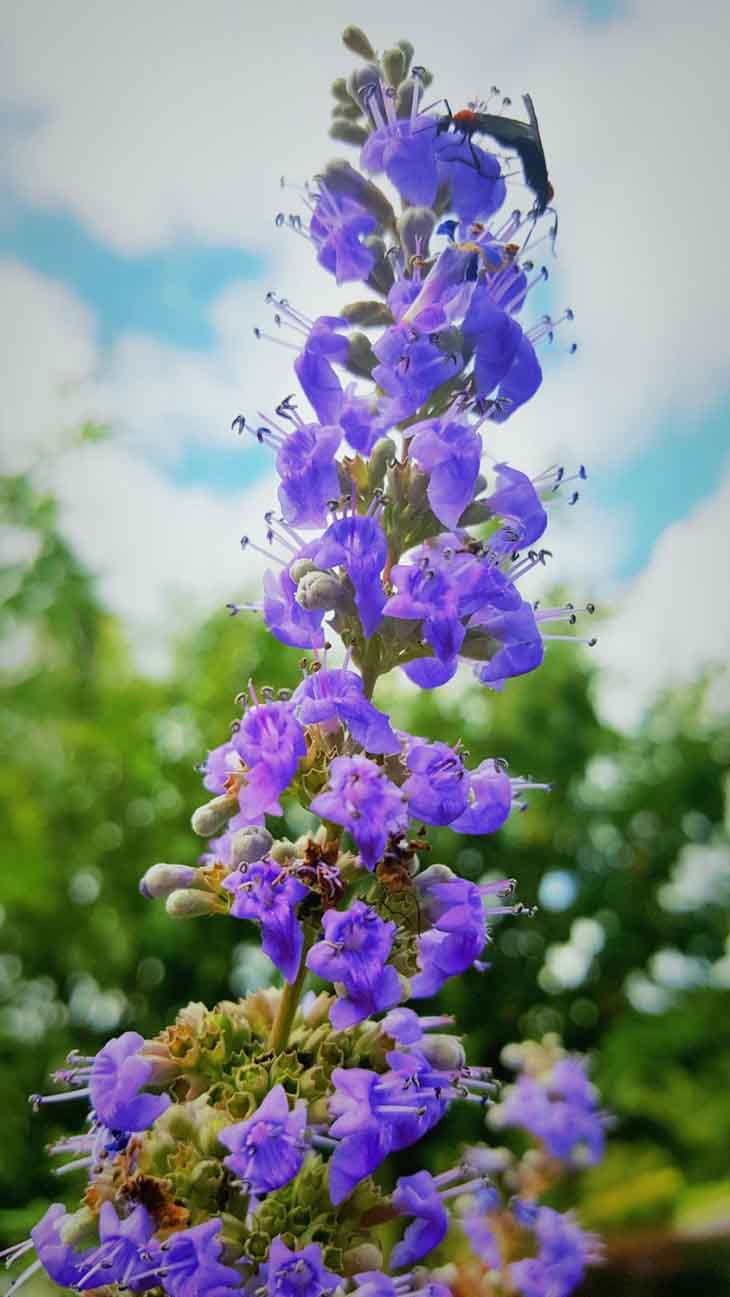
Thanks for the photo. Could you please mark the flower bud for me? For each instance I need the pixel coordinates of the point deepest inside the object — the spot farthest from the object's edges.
(415, 228)
(191, 904)
(369, 313)
(361, 359)
(355, 39)
(348, 133)
(160, 880)
(431, 877)
(300, 567)
(394, 67)
(381, 455)
(214, 816)
(475, 513)
(248, 845)
(340, 92)
(79, 1229)
(444, 1052)
(362, 1258)
(320, 590)
(479, 646)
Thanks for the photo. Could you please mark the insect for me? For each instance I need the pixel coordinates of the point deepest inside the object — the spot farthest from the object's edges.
(395, 871)
(523, 137)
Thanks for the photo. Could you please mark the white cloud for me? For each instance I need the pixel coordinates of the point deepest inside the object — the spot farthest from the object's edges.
(675, 619)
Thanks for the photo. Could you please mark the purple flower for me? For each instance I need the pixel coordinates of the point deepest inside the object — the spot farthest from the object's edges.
(266, 893)
(192, 1267)
(516, 501)
(361, 421)
(494, 338)
(520, 383)
(417, 1195)
(268, 1149)
(361, 798)
(410, 367)
(564, 1249)
(337, 226)
(327, 697)
(358, 544)
(260, 760)
(59, 1260)
(489, 800)
(116, 1077)
(437, 787)
(285, 618)
(324, 347)
(298, 1274)
(120, 1257)
(306, 465)
(376, 1114)
(449, 452)
(454, 909)
(521, 648)
(403, 147)
(475, 1224)
(373, 1283)
(476, 191)
(425, 594)
(354, 951)
(558, 1108)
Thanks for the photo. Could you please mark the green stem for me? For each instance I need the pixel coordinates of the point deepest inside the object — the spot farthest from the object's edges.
(288, 1004)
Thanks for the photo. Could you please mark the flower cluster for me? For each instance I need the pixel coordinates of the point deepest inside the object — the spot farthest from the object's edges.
(238, 1151)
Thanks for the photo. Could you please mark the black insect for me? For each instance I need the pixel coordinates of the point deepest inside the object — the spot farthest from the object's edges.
(523, 137)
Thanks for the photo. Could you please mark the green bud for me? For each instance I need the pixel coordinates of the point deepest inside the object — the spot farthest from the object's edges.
(361, 359)
(348, 133)
(479, 646)
(415, 228)
(300, 567)
(407, 51)
(206, 1180)
(320, 590)
(340, 91)
(355, 39)
(381, 277)
(381, 455)
(477, 512)
(160, 880)
(191, 904)
(348, 112)
(369, 313)
(362, 1257)
(248, 845)
(282, 851)
(394, 65)
(213, 817)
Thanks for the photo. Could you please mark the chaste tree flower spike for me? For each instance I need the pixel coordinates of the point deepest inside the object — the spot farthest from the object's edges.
(238, 1151)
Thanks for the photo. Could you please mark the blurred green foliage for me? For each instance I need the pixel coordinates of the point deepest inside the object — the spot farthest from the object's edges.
(627, 860)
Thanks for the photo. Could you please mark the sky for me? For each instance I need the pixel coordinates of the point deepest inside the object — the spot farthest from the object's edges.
(143, 153)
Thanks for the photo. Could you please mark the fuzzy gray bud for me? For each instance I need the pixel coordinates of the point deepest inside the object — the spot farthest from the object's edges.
(479, 646)
(415, 228)
(191, 904)
(160, 880)
(407, 51)
(362, 1258)
(446, 1053)
(319, 590)
(476, 512)
(214, 816)
(355, 39)
(248, 845)
(340, 92)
